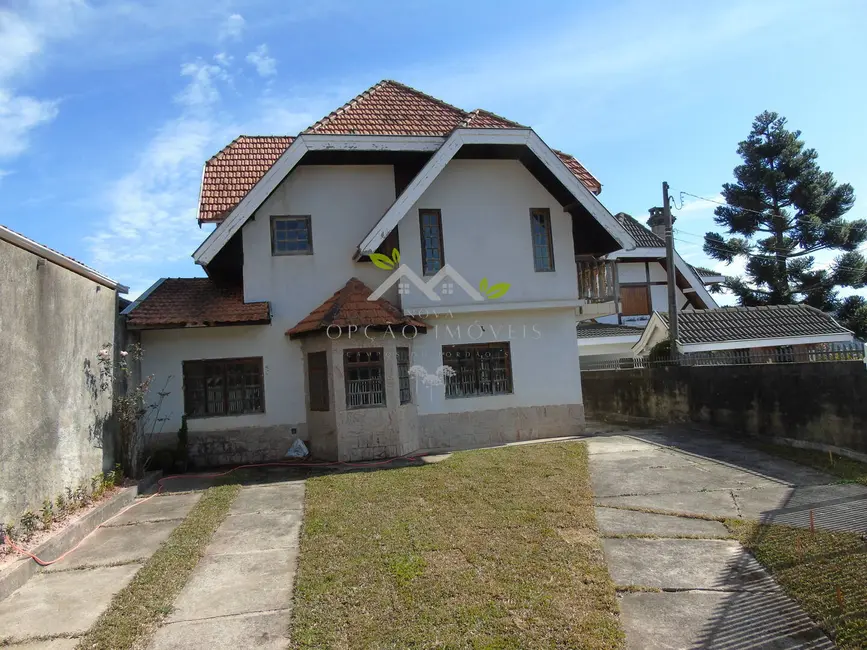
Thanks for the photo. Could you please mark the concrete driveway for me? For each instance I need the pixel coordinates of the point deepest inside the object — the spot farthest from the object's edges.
(707, 591)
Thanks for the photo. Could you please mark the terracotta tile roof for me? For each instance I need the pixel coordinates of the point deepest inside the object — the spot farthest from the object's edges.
(233, 172)
(350, 307)
(643, 237)
(195, 302)
(388, 108)
(593, 330)
(750, 323)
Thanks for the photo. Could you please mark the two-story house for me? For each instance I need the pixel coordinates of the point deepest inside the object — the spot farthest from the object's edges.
(400, 276)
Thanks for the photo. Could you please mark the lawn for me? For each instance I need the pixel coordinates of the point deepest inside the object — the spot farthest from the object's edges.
(825, 572)
(491, 549)
(847, 469)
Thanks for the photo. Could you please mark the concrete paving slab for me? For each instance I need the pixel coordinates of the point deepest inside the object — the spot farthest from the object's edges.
(259, 531)
(685, 564)
(264, 631)
(68, 602)
(614, 444)
(613, 521)
(54, 644)
(714, 503)
(270, 498)
(161, 508)
(705, 619)
(117, 545)
(223, 585)
(835, 507)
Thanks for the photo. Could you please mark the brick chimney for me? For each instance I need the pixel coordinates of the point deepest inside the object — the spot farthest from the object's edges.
(657, 222)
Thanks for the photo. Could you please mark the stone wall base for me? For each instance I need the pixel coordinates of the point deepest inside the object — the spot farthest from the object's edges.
(472, 429)
(439, 432)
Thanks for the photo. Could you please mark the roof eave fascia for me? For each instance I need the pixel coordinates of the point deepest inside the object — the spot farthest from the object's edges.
(447, 151)
(695, 282)
(608, 340)
(653, 324)
(239, 215)
(735, 344)
(135, 303)
(60, 259)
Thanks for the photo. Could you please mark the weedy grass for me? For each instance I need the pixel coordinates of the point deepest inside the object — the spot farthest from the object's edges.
(825, 572)
(494, 548)
(844, 468)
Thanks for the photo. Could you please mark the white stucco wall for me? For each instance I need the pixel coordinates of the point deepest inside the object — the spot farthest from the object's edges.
(545, 366)
(485, 207)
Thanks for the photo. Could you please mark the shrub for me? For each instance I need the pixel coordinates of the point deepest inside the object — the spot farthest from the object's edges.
(47, 514)
(29, 524)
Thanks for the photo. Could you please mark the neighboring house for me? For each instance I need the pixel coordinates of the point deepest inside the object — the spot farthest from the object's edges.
(283, 340)
(634, 284)
(55, 316)
(749, 334)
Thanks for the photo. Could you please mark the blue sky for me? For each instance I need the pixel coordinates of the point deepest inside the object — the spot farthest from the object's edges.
(108, 109)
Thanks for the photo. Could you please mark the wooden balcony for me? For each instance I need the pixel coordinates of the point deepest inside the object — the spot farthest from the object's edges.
(596, 280)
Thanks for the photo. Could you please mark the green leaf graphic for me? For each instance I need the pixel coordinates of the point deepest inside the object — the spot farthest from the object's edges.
(395, 255)
(483, 285)
(498, 290)
(381, 261)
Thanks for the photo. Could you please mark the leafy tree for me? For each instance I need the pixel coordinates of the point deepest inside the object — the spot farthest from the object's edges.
(781, 209)
(852, 313)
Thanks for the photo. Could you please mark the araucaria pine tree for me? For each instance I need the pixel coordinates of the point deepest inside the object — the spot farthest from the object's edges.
(781, 209)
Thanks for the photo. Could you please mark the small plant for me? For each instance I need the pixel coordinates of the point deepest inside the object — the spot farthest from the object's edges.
(9, 531)
(97, 485)
(71, 503)
(29, 524)
(47, 514)
(62, 505)
(82, 496)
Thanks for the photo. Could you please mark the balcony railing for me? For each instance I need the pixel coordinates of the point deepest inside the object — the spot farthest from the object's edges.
(596, 280)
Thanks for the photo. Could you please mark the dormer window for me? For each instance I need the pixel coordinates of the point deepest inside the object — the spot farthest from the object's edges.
(291, 235)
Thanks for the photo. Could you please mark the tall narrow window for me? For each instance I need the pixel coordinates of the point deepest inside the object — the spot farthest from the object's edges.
(291, 236)
(365, 378)
(478, 369)
(431, 226)
(543, 247)
(403, 375)
(317, 380)
(223, 387)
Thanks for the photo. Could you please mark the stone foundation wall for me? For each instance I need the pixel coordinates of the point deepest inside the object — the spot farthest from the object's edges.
(471, 429)
(233, 446)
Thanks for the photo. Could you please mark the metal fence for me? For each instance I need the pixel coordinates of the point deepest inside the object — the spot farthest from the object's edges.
(816, 353)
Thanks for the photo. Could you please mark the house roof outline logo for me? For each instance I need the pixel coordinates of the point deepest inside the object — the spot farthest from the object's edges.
(400, 273)
(447, 272)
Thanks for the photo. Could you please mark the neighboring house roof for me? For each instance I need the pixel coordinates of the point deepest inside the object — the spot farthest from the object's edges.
(745, 323)
(644, 238)
(350, 307)
(743, 327)
(387, 108)
(598, 330)
(194, 302)
(17, 239)
(708, 276)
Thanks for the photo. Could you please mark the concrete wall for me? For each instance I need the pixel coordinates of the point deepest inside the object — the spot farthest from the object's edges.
(53, 323)
(820, 403)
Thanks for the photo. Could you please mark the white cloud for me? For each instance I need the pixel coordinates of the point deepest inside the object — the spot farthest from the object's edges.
(233, 27)
(202, 88)
(265, 65)
(22, 41)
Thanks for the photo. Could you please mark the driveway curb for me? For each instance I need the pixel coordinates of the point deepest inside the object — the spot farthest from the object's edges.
(19, 573)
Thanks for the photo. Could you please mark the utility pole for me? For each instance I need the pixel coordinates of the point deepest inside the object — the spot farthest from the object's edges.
(669, 267)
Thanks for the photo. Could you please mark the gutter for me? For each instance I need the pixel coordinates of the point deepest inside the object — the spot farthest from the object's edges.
(53, 256)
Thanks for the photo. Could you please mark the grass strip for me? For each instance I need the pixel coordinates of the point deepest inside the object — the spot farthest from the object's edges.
(847, 469)
(825, 572)
(136, 610)
(493, 548)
